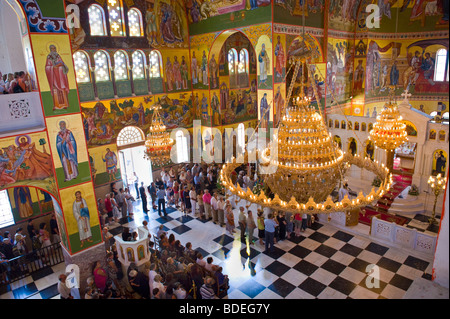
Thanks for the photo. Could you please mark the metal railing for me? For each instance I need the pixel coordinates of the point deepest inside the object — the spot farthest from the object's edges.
(25, 265)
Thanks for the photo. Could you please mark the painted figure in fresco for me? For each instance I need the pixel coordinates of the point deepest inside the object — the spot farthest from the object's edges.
(394, 74)
(205, 114)
(67, 151)
(177, 73)
(440, 162)
(194, 66)
(194, 10)
(111, 164)
(204, 69)
(359, 77)
(384, 76)
(39, 165)
(99, 110)
(196, 105)
(264, 110)
(215, 106)
(253, 4)
(6, 175)
(56, 71)
(428, 68)
(264, 65)
(278, 102)
(81, 213)
(280, 60)
(22, 198)
(213, 71)
(184, 73)
(152, 29)
(170, 77)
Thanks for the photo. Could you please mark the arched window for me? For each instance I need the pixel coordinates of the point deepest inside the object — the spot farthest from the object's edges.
(138, 65)
(243, 62)
(121, 65)
(363, 127)
(130, 135)
(330, 123)
(135, 23)
(441, 66)
(115, 9)
(155, 64)
(81, 62)
(356, 126)
(102, 66)
(241, 137)
(97, 20)
(182, 147)
(336, 124)
(442, 135)
(232, 61)
(343, 125)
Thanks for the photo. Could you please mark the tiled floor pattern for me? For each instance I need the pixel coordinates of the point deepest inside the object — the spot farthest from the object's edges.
(324, 262)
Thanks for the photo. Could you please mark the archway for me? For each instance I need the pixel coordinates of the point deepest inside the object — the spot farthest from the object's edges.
(134, 168)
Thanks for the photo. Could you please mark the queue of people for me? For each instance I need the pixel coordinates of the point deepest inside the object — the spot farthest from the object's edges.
(18, 82)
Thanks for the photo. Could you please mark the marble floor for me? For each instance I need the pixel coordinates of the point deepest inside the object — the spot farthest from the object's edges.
(324, 262)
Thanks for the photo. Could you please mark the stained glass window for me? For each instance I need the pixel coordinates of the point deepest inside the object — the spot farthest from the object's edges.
(97, 20)
(115, 9)
(243, 62)
(138, 65)
(101, 66)
(182, 148)
(120, 66)
(81, 62)
(6, 215)
(155, 64)
(135, 23)
(232, 61)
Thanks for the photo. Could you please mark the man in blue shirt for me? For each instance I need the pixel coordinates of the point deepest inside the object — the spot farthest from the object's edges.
(269, 224)
(197, 182)
(161, 201)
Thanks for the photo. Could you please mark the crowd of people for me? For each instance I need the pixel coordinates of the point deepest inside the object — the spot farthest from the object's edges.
(18, 82)
(173, 272)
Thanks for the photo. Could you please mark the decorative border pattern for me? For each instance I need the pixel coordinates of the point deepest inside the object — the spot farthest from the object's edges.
(40, 24)
(402, 36)
(297, 30)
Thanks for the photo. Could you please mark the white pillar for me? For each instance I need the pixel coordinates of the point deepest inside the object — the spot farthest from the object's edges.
(441, 256)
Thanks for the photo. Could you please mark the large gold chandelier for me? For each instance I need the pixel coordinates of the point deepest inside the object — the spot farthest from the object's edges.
(158, 143)
(304, 165)
(389, 131)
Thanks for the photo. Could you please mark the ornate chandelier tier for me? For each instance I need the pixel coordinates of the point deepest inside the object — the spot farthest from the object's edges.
(389, 131)
(303, 164)
(158, 143)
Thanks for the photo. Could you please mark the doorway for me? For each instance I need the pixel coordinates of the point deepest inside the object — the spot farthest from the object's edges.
(131, 147)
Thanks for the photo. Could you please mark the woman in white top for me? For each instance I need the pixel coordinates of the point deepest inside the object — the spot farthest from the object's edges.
(151, 277)
(180, 292)
(129, 200)
(116, 212)
(193, 197)
(182, 176)
(157, 284)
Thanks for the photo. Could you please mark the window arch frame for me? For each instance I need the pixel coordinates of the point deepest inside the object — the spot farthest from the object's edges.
(183, 153)
(343, 124)
(131, 142)
(437, 63)
(336, 124)
(103, 21)
(88, 65)
(140, 21)
(150, 64)
(108, 65)
(127, 66)
(240, 138)
(122, 32)
(144, 64)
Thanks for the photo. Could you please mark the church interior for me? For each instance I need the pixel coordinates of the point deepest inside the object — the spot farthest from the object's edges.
(332, 112)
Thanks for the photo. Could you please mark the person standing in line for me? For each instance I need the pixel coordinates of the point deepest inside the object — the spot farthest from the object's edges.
(152, 189)
(207, 202)
(242, 223)
(63, 290)
(187, 200)
(214, 208)
(54, 229)
(220, 211)
(250, 227)
(304, 222)
(261, 227)
(230, 218)
(108, 206)
(176, 194)
(201, 205)
(269, 225)
(193, 199)
(282, 222)
(161, 201)
(136, 184)
(144, 198)
(122, 203)
(289, 225)
(297, 224)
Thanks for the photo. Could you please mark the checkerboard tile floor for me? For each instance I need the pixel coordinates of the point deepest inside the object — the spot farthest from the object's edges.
(324, 262)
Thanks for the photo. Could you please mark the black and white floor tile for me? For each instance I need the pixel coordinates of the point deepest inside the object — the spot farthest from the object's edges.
(324, 262)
